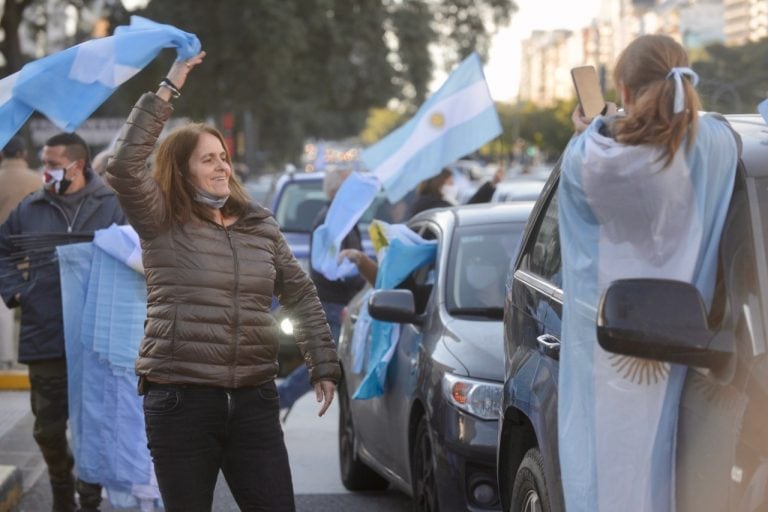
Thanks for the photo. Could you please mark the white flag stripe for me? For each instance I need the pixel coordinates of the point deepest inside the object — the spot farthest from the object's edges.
(456, 110)
(6, 87)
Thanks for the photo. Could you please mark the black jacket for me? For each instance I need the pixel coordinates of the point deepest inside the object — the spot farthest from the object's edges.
(42, 329)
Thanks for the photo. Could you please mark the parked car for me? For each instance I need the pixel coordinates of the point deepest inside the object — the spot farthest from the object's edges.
(721, 443)
(297, 200)
(433, 432)
(519, 189)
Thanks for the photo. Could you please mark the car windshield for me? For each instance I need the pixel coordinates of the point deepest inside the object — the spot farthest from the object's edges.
(302, 200)
(477, 266)
(299, 204)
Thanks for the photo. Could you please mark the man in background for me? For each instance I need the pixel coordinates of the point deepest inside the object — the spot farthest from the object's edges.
(75, 200)
(17, 181)
(333, 295)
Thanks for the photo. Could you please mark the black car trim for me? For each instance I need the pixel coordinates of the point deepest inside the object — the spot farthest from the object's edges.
(539, 284)
(760, 257)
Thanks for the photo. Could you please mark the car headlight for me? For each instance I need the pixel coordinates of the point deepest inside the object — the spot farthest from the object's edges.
(477, 397)
(286, 326)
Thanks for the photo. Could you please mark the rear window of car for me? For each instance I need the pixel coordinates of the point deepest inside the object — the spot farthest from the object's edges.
(477, 266)
(301, 202)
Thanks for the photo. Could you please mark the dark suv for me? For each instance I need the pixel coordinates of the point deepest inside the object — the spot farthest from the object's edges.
(722, 448)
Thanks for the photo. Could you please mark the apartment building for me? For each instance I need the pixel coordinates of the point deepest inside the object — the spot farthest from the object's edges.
(549, 56)
(745, 21)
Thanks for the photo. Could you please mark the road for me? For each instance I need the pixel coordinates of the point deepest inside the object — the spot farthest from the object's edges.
(312, 449)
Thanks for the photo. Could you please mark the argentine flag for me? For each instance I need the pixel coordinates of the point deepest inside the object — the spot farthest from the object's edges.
(624, 214)
(456, 120)
(69, 85)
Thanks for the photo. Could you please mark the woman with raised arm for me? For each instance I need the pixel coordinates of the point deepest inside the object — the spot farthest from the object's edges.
(208, 361)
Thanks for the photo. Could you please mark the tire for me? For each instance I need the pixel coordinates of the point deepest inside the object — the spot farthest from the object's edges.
(423, 471)
(355, 475)
(530, 492)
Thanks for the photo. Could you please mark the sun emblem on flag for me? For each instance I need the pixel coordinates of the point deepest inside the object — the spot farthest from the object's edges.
(437, 120)
(639, 371)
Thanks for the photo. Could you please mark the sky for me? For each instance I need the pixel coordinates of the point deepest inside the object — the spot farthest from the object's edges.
(502, 71)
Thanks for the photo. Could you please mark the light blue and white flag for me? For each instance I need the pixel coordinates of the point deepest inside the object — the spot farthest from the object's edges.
(350, 202)
(456, 120)
(624, 214)
(69, 85)
(403, 254)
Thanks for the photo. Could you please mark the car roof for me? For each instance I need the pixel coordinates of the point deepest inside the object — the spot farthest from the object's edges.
(479, 214)
(754, 135)
(302, 176)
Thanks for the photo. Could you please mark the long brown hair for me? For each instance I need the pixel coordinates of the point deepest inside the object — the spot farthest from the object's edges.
(432, 186)
(171, 171)
(643, 67)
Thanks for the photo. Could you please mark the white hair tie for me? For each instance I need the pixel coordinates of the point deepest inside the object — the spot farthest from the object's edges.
(677, 74)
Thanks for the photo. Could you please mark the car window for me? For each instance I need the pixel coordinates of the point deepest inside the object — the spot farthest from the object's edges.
(299, 205)
(477, 265)
(301, 201)
(542, 255)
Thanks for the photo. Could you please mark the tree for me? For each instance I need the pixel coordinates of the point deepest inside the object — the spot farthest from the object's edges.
(298, 69)
(733, 79)
(11, 46)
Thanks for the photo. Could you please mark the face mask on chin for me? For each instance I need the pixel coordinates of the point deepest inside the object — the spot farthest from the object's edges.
(210, 200)
(450, 193)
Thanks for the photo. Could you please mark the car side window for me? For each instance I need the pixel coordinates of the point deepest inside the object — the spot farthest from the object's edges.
(542, 254)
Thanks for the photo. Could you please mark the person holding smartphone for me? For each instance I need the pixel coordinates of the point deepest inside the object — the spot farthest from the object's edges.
(643, 194)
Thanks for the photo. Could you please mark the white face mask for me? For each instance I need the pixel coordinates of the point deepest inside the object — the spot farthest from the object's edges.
(450, 192)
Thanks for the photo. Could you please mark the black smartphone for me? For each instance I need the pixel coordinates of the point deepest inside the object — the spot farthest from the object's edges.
(588, 91)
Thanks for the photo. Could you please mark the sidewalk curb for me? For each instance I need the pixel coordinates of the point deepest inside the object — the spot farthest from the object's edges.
(14, 380)
(11, 487)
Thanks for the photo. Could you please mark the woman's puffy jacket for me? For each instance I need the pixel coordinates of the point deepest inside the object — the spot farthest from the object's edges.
(210, 288)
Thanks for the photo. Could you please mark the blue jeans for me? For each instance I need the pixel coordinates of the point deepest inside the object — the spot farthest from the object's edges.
(192, 432)
(296, 384)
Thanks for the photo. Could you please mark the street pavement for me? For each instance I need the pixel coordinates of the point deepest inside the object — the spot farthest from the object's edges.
(312, 449)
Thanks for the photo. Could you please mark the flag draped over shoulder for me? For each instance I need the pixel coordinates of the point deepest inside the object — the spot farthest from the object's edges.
(69, 85)
(456, 120)
(104, 306)
(624, 214)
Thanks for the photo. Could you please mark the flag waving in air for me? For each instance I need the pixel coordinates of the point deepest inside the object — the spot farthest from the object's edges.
(69, 85)
(456, 120)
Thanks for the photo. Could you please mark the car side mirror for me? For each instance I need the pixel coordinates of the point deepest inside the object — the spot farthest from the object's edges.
(660, 319)
(393, 306)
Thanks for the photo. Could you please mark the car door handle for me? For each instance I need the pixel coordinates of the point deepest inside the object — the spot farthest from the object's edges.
(549, 345)
(353, 317)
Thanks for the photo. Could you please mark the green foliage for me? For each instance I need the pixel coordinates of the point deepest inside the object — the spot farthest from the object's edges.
(733, 79)
(380, 122)
(298, 69)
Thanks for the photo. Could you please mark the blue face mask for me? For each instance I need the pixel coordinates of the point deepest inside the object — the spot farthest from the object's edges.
(209, 200)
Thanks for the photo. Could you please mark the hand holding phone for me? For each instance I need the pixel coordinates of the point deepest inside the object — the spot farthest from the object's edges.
(588, 91)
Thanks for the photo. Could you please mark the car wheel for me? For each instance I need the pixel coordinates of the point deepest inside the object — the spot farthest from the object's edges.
(355, 475)
(422, 470)
(530, 492)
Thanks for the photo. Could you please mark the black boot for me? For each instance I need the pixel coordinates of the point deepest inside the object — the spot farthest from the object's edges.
(64, 496)
(90, 496)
